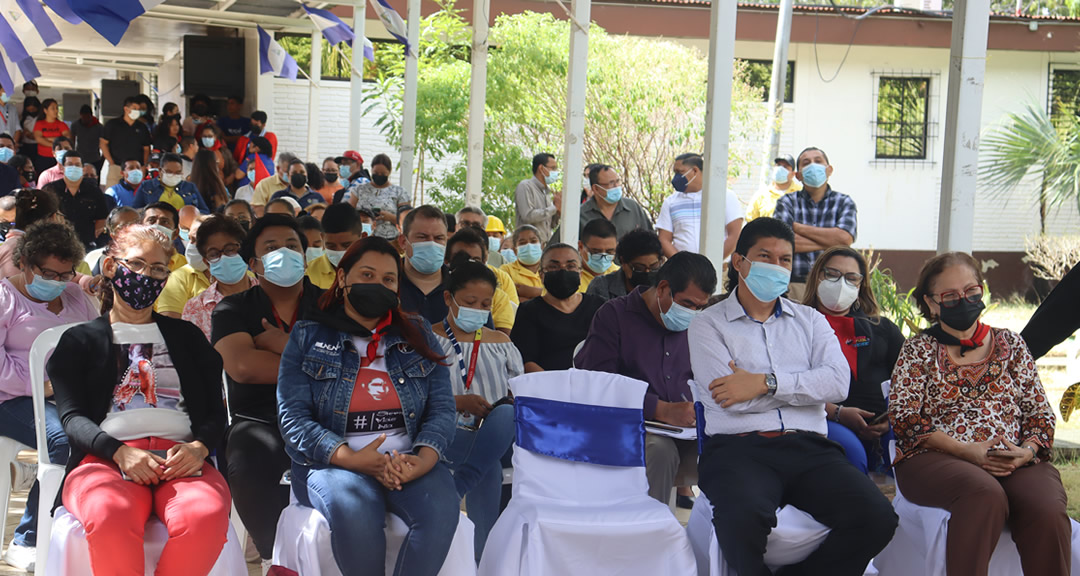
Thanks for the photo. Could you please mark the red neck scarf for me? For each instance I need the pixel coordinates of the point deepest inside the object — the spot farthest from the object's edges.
(376, 336)
(967, 344)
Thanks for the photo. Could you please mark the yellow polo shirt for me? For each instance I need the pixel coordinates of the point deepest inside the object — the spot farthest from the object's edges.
(763, 204)
(506, 283)
(587, 276)
(184, 284)
(266, 188)
(321, 272)
(177, 262)
(170, 197)
(519, 274)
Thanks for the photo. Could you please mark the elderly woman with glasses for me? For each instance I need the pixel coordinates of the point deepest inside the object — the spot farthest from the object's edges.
(837, 286)
(218, 244)
(974, 429)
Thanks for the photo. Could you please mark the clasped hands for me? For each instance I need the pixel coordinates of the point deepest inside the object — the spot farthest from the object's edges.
(392, 470)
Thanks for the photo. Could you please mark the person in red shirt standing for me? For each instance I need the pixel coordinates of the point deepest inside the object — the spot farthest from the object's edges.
(48, 129)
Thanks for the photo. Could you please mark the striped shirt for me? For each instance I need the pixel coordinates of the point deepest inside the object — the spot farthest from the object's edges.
(835, 210)
(681, 215)
(497, 363)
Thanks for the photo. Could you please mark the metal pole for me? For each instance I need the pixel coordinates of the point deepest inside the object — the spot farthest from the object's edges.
(963, 113)
(717, 126)
(574, 148)
(356, 83)
(779, 82)
(474, 175)
(408, 116)
(313, 94)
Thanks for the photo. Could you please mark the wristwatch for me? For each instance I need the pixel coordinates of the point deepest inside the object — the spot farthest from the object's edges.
(770, 383)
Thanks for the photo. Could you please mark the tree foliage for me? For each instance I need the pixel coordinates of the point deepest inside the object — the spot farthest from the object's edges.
(645, 104)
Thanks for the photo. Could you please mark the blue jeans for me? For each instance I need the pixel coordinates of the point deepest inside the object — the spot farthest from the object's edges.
(17, 423)
(475, 459)
(355, 506)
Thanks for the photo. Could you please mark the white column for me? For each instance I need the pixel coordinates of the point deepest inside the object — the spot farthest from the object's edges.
(313, 95)
(408, 120)
(963, 113)
(779, 81)
(356, 83)
(573, 161)
(474, 178)
(717, 126)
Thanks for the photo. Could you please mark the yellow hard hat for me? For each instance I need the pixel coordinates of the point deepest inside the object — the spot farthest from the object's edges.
(495, 224)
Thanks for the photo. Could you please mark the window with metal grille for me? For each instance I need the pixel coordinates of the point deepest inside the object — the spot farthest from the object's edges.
(902, 128)
(1064, 94)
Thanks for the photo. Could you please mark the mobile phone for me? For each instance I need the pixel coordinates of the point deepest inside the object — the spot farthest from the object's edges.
(504, 400)
(883, 417)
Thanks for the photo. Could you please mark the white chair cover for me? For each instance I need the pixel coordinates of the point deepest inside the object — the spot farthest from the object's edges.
(302, 544)
(71, 556)
(572, 518)
(9, 453)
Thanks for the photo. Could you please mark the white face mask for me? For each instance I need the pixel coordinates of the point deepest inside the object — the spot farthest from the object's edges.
(837, 295)
(171, 180)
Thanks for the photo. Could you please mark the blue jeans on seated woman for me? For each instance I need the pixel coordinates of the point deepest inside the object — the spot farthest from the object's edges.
(475, 459)
(355, 506)
(17, 423)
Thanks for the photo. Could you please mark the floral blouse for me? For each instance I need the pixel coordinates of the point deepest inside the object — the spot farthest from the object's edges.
(200, 309)
(1001, 395)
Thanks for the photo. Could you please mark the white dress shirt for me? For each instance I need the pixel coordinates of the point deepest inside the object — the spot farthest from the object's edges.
(796, 344)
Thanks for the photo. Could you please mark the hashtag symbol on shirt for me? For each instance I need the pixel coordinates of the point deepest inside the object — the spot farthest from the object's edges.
(360, 422)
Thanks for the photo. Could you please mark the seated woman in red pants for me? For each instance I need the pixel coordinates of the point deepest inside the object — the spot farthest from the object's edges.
(139, 396)
(974, 429)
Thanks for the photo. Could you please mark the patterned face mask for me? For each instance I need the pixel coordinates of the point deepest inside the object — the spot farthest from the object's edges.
(138, 291)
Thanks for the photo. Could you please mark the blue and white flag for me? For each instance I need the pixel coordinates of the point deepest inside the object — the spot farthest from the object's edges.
(110, 18)
(333, 29)
(63, 10)
(393, 22)
(31, 23)
(369, 50)
(14, 74)
(274, 58)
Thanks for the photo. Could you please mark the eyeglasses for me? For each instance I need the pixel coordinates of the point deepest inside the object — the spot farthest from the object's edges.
(852, 278)
(53, 275)
(642, 269)
(951, 299)
(155, 271)
(570, 266)
(213, 254)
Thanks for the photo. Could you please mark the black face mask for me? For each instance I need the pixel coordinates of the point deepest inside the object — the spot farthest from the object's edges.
(330, 176)
(298, 180)
(379, 179)
(245, 224)
(963, 315)
(642, 278)
(562, 284)
(372, 300)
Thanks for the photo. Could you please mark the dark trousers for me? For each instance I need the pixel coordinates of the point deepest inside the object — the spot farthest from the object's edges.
(1031, 499)
(256, 460)
(747, 478)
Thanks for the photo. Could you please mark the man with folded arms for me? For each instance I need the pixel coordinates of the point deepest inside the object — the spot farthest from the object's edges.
(765, 367)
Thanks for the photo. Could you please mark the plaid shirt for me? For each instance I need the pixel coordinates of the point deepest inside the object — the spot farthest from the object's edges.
(835, 210)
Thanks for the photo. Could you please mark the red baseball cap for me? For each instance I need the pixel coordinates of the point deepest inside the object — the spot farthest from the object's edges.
(354, 156)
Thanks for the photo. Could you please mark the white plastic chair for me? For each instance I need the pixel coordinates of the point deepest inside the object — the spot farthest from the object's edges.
(571, 517)
(302, 543)
(9, 455)
(794, 538)
(67, 539)
(918, 546)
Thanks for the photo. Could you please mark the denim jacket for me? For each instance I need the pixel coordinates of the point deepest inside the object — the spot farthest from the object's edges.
(315, 385)
(150, 191)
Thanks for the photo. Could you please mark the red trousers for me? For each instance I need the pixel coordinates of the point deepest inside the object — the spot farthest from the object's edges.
(114, 512)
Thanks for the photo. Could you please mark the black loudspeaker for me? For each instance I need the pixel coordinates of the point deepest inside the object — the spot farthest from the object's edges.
(73, 101)
(113, 93)
(214, 65)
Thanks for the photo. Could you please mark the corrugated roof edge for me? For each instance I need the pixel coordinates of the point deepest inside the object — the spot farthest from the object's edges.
(886, 11)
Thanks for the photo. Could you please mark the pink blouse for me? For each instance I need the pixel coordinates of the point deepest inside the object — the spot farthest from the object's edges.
(200, 309)
(21, 321)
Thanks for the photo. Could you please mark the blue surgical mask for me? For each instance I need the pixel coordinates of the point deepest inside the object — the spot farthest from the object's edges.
(251, 175)
(494, 244)
(767, 282)
(552, 177)
(344, 172)
(335, 256)
(208, 141)
(283, 267)
(365, 227)
(814, 175)
(60, 156)
(45, 290)
(470, 319)
(599, 263)
(185, 235)
(6, 154)
(133, 177)
(168, 232)
(229, 269)
(194, 259)
(613, 195)
(508, 255)
(427, 257)
(5, 98)
(529, 254)
(73, 173)
(780, 174)
(314, 253)
(678, 317)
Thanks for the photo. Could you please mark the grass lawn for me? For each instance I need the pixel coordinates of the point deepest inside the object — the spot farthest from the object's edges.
(1070, 478)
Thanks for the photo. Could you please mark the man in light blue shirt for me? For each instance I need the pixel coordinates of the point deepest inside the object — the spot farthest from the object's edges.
(764, 368)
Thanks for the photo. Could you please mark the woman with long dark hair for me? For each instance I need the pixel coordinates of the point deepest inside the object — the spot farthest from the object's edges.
(167, 135)
(366, 411)
(206, 177)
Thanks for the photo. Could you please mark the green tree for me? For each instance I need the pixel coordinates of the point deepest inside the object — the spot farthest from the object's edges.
(645, 104)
